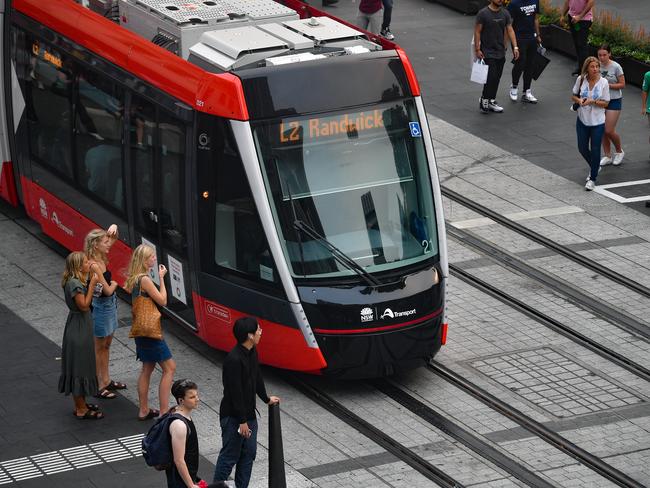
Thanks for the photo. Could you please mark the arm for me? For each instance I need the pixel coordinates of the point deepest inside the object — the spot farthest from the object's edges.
(513, 41)
(160, 297)
(232, 384)
(644, 101)
(477, 40)
(620, 83)
(112, 234)
(108, 288)
(178, 431)
(537, 31)
(565, 11)
(83, 301)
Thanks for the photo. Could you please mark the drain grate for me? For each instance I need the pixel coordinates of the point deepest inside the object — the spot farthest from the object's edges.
(555, 382)
(68, 459)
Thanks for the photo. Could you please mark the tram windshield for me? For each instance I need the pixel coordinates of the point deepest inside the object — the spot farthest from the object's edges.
(350, 186)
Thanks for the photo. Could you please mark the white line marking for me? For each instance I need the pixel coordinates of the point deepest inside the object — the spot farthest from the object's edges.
(70, 458)
(603, 190)
(518, 216)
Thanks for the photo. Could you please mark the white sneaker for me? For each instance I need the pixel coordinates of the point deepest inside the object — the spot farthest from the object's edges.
(494, 106)
(605, 161)
(590, 185)
(528, 97)
(618, 158)
(513, 93)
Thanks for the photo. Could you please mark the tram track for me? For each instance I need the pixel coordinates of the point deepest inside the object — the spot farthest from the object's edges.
(425, 412)
(548, 243)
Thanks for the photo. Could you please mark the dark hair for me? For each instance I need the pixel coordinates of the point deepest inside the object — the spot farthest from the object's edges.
(243, 327)
(606, 47)
(180, 388)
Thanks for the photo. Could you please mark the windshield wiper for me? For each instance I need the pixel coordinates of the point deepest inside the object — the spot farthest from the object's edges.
(339, 255)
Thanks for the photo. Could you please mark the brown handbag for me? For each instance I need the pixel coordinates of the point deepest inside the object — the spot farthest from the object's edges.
(145, 318)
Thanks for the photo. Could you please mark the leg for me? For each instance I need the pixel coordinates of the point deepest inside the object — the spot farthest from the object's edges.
(102, 354)
(582, 132)
(528, 50)
(374, 22)
(168, 370)
(494, 76)
(519, 66)
(611, 119)
(362, 20)
(80, 407)
(230, 450)
(388, 13)
(248, 454)
(143, 388)
(596, 135)
(581, 40)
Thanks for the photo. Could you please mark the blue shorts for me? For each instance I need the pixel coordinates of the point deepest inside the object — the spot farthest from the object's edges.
(150, 350)
(615, 104)
(105, 315)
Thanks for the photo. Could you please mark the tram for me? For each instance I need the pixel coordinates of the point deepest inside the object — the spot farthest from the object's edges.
(278, 159)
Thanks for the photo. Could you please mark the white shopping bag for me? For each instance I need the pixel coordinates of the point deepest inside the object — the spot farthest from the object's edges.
(479, 72)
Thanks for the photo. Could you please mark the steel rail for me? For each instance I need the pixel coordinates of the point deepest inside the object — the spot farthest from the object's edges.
(616, 317)
(463, 436)
(544, 241)
(400, 451)
(543, 432)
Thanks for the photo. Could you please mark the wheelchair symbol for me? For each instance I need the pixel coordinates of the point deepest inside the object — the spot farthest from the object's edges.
(415, 129)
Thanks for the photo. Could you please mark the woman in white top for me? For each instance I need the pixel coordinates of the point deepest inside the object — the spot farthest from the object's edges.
(613, 73)
(591, 95)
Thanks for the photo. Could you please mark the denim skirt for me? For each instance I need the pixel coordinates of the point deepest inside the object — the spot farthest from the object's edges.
(150, 350)
(105, 315)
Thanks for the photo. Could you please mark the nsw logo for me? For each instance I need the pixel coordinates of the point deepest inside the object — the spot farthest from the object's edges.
(367, 315)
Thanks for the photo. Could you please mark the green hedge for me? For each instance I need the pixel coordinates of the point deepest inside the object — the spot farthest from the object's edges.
(607, 28)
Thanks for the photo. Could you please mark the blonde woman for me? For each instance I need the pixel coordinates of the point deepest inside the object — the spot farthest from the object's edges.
(591, 96)
(150, 351)
(77, 356)
(104, 307)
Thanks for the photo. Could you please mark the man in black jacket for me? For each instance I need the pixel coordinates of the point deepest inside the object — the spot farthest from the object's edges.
(242, 379)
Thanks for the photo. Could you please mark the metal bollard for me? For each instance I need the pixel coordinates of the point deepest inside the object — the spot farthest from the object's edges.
(277, 478)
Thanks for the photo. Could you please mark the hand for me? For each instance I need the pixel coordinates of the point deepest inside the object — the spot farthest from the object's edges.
(162, 271)
(539, 39)
(94, 278)
(273, 400)
(576, 19)
(479, 54)
(515, 54)
(563, 21)
(112, 231)
(584, 101)
(244, 431)
(113, 283)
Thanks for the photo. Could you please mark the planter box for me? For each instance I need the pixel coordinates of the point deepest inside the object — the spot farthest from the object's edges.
(559, 39)
(634, 70)
(465, 6)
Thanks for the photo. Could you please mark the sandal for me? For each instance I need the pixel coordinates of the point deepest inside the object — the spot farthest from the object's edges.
(89, 406)
(115, 385)
(152, 414)
(106, 394)
(91, 415)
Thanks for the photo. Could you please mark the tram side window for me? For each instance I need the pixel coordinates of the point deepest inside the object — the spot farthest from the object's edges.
(172, 164)
(142, 128)
(48, 81)
(233, 242)
(98, 137)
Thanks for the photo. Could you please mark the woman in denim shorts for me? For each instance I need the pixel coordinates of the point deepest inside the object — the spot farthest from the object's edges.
(104, 307)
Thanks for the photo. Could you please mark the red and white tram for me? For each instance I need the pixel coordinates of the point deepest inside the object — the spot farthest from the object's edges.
(278, 159)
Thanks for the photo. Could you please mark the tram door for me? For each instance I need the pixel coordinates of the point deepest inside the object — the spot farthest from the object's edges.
(157, 143)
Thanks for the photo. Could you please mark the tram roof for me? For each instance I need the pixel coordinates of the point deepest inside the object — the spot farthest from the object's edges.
(219, 94)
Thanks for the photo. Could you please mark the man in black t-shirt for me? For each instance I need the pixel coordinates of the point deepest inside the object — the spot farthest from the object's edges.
(492, 23)
(526, 26)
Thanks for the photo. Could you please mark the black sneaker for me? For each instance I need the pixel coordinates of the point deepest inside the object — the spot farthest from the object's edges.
(386, 33)
(484, 105)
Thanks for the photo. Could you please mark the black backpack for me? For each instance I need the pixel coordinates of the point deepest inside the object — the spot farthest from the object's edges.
(157, 444)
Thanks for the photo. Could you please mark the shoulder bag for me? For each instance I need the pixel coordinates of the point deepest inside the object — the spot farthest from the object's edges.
(145, 317)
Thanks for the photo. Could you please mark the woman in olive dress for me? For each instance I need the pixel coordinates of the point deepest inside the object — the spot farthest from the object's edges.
(78, 370)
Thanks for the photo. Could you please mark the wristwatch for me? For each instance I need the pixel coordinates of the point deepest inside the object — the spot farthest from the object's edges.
(516, 47)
